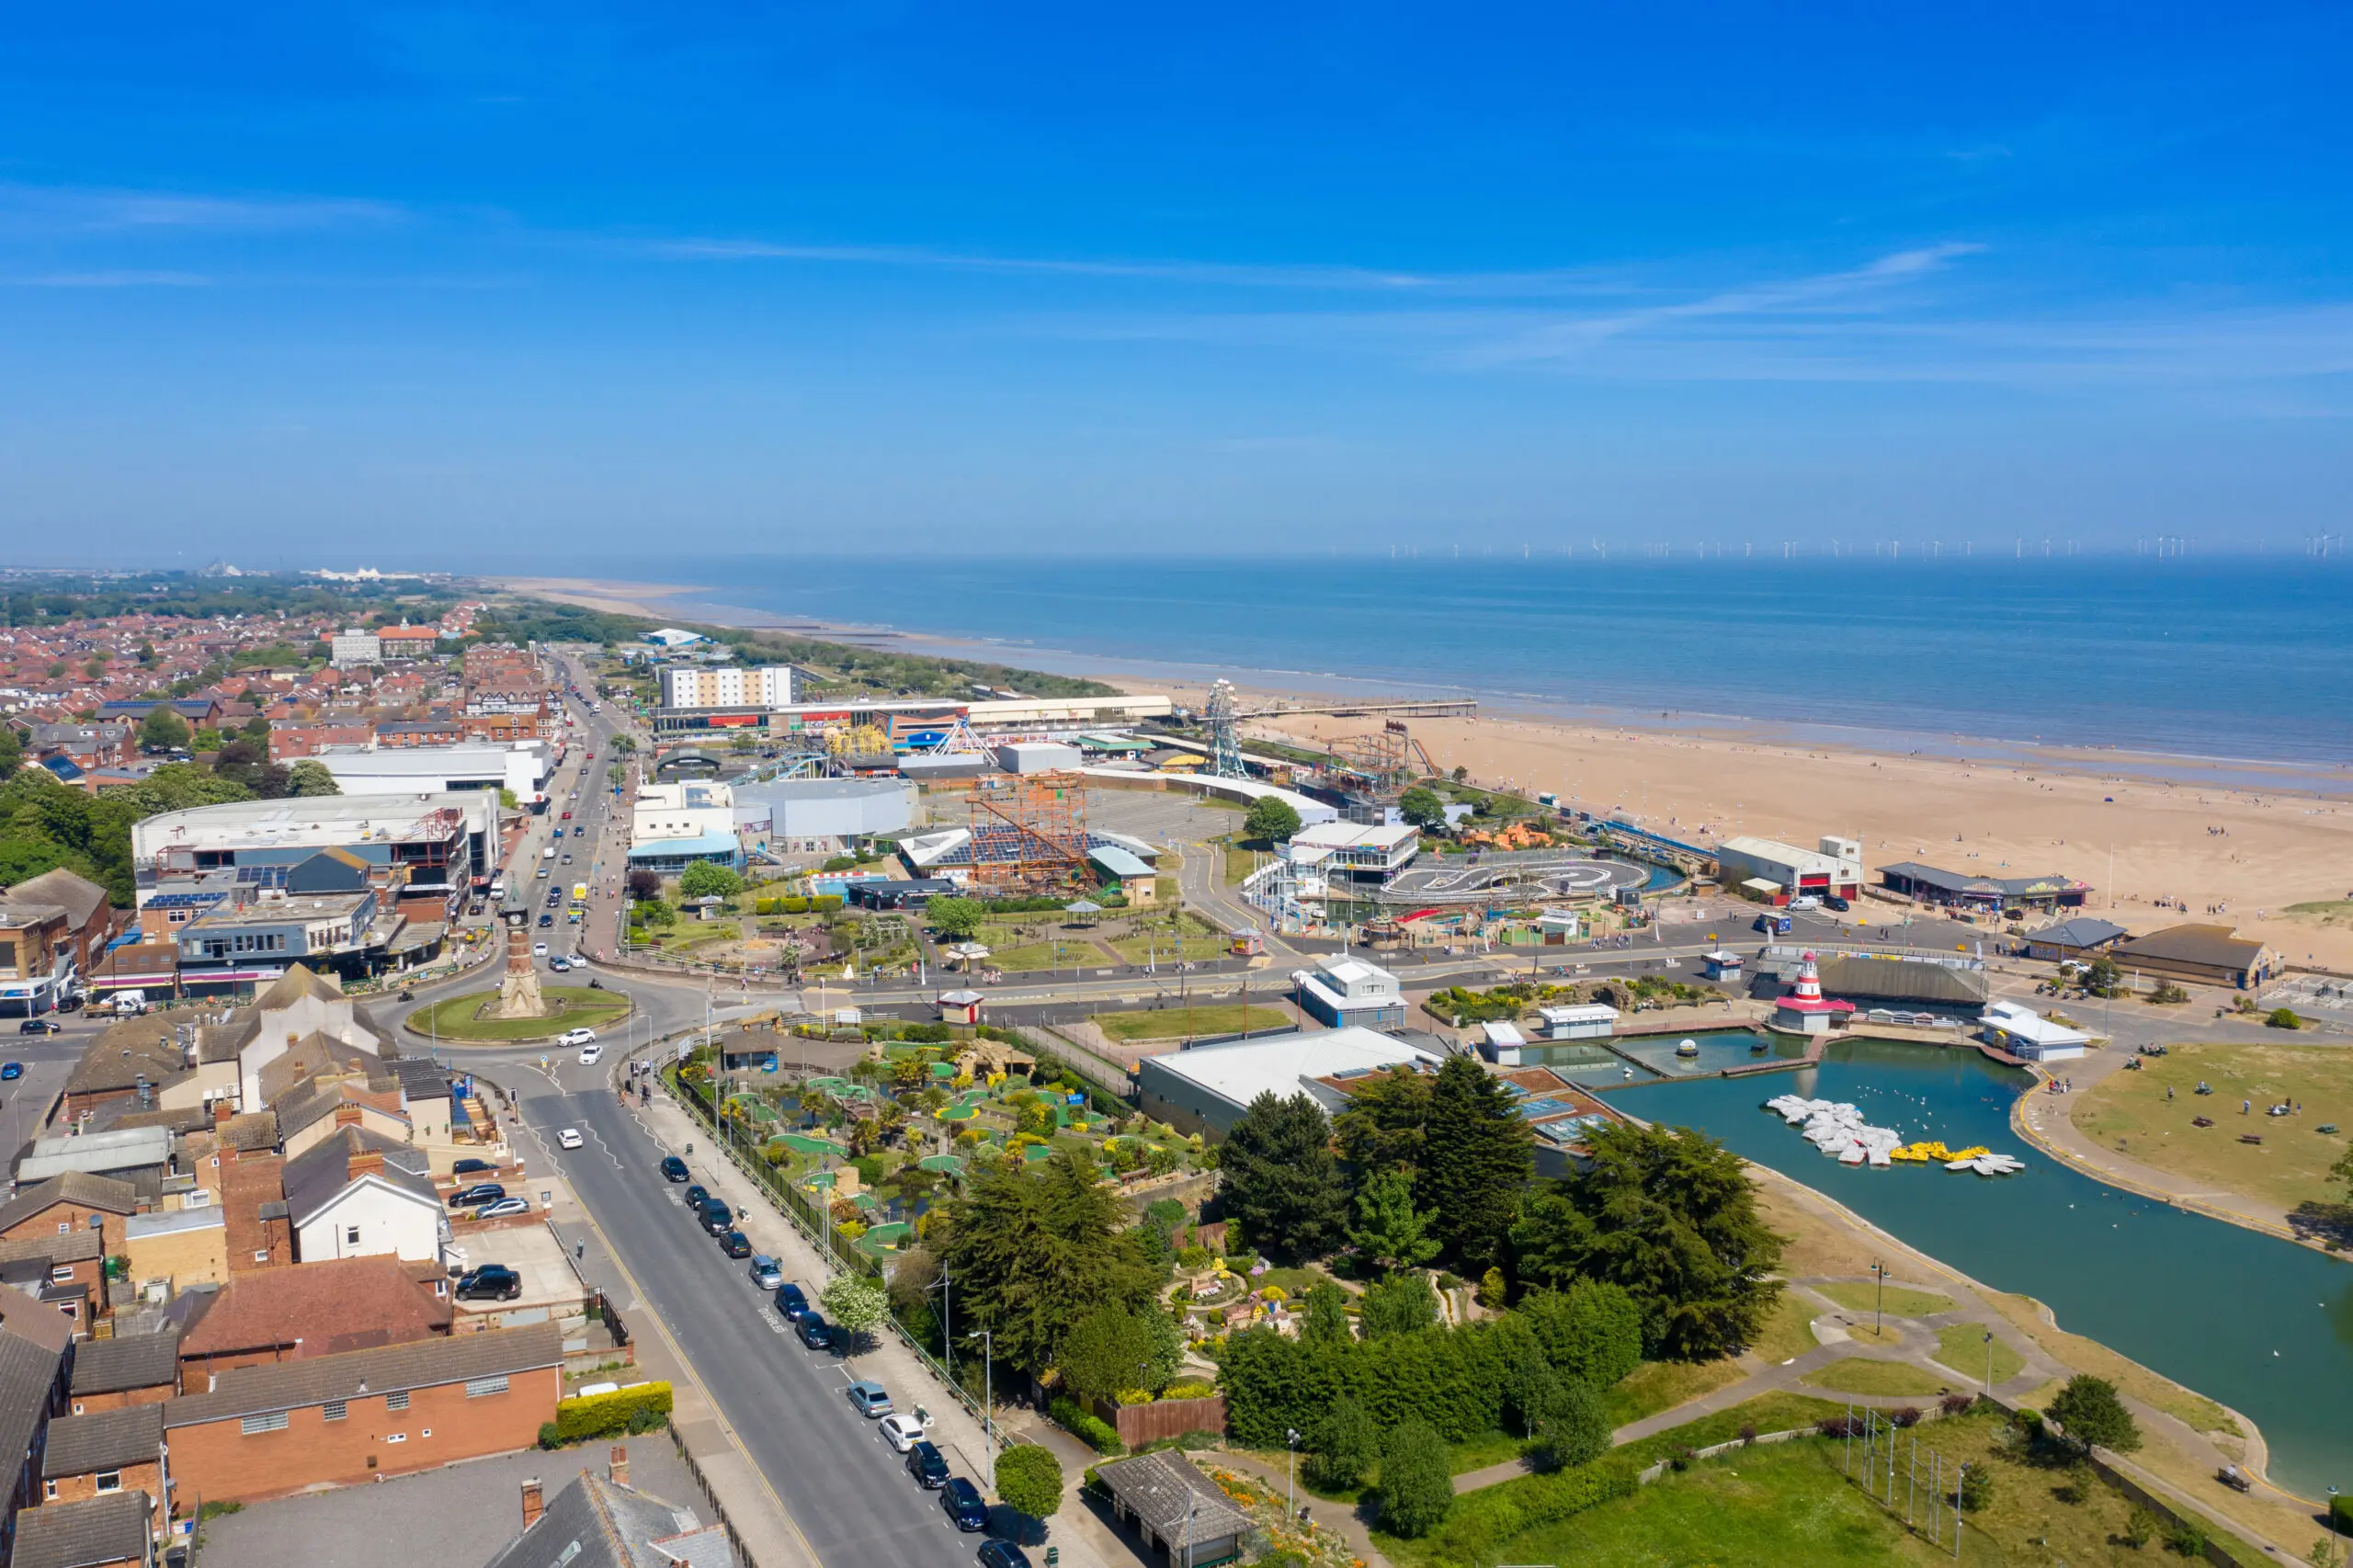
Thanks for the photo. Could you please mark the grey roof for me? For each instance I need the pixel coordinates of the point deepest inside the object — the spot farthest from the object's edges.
(112, 1528)
(614, 1526)
(27, 1374)
(2219, 945)
(79, 896)
(2084, 931)
(424, 1363)
(104, 1439)
(1163, 1488)
(77, 1188)
(1946, 881)
(1912, 980)
(316, 1175)
(420, 1079)
(145, 1047)
(78, 1245)
(126, 1361)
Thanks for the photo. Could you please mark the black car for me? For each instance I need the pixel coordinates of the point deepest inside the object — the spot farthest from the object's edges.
(1832, 901)
(41, 1026)
(1002, 1554)
(480, 1193)
(547, 920)
(475, 1168)
(926, 1465)
(962, 1501)
(815, 1332)
(717, 1218)
(491, 1282)
(673, 1169)
(697, 1196)
(791, 1302)
(735, 1244)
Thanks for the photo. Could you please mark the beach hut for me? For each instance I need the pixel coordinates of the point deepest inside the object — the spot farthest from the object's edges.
(959, 1006)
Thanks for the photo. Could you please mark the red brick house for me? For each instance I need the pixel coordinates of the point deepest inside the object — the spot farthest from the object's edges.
(315, 1309)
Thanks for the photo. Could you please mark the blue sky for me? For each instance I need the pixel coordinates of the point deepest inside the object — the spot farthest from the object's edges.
(531, 284)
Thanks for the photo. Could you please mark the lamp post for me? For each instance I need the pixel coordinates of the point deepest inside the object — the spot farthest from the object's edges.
(1879, 1307)
(2332, 1520)
(1989, 1363)
(988, 1397)
(1291, 1503)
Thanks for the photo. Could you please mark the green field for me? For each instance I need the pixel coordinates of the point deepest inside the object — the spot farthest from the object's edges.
(1662, 1385)
(1161, 947)
(1860, 1374)
(579, 1008)
(1175, 1022)
(1962, 1346)
(1902, 1302)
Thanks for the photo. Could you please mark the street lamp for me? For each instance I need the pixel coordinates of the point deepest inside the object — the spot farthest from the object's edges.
(1879, 1272)
(1291, 1506)
(988, 1397)
(1989, 1363)
(2332, 1519)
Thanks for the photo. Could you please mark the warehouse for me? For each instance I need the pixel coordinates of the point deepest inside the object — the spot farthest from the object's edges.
(1835, 870)
(1206, 1089)
(796, 808)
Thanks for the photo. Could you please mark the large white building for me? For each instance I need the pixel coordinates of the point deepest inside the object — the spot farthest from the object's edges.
(1206, 1089)
(1835, 870)
(522, 767)
(436, 845)
(672, 825)
(353, 647)
(726, 685)
(1345, 989)
(798, 809)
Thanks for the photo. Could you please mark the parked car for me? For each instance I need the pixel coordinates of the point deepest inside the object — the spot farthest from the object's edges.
(962, 1502)
(926, 1465)
(1002, 1554)
(1804, 901)
(1835, 901)
(473, 1167)
(11, 1071)
(576, 1037)
(791, 1302)
(815, 1332)
(503, 1207)
(673, 1169)
(868, 1398)
(901, 1431)
(695, 1197)
(41, 1026)
(735, 1244)
(764, 1272)
(717, 1218)
(491, 1282)
(569, 1138)
(480, 1192)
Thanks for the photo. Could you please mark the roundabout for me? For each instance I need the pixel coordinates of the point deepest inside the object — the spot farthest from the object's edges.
(461, 1019)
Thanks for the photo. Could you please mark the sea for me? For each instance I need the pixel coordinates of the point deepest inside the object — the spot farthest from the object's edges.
(2211, 660)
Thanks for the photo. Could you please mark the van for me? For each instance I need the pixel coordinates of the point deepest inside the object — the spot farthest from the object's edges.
(549, 853)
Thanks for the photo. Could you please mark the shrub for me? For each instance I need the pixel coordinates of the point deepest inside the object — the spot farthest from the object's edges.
(1344, 1447)
(603, 1415)
(1189, 1390)
(2283, 1018)
(1839, 1427)
(1747, 1434)
(551, 1434)
(1481, 1521)
(1095, 1433)
(1029, 1478)
(1193, 1257)
(1906, 1416)
(2139, 1529)
(1416, 1482)
(2185, 1538)
(1956, 1404)
(1132, 1396)
(1976, 1488)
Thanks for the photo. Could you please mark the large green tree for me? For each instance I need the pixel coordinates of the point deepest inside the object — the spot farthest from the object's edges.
(309, 778)
(1404, 1305)
(1592, 1332)
(1382, 1127)
(1029, 1480)
(1270, 818)
(1114, 1349)
(1422, 807)
(1281, 1179)
(1346, 1445)
(1390, 1230)
(1668, 1215)
(164, 729)
(1416, 1481)
(708, 879)
(1477, 1152)
(2090, 1411)
(1030, 1252)
(954, 918)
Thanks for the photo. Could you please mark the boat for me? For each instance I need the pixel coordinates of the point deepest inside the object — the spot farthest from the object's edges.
(1689, 1048)
(1759, 1045)
(1852, 1154)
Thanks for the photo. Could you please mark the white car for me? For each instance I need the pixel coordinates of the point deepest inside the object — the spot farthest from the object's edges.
(569, 1138)
(589, 1053)
(539, 949)
(576, 1037)
(902, 1432)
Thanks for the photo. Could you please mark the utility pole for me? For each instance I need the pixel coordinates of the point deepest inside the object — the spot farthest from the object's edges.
(988, 1397)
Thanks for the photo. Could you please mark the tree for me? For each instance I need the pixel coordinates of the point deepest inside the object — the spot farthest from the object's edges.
(623, 744)
(1326, 1318)
(1281, 1180)
(2088, 1410)
(707, 879)
(857, 1304)
(1592, 1332)
(1574, 1427)
(1346, 1445)
(1404, 1305)
(1416, 1481)
(12, 749)
(955, 918)
(1112, 1349)
(1029, 1480)
(1394, 1233)
(307, 777)
(1382, 1125)
(1476, 1155)
(2343, 1171)
(162, 730)
(1030, 1252)
(1422, 807)
(1460, 773)
(644, 885)
(1270, 818)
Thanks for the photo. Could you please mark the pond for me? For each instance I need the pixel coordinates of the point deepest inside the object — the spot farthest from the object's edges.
(2262, 1325)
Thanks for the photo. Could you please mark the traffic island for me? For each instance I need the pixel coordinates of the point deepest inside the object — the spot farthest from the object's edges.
(474, 1017)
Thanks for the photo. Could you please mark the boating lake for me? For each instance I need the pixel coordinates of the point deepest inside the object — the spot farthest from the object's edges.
(2262, 1326)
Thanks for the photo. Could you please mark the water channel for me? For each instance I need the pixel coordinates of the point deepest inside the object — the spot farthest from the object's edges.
(2263, 1325)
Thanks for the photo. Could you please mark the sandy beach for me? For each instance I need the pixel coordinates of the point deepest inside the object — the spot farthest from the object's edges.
(2155, 852)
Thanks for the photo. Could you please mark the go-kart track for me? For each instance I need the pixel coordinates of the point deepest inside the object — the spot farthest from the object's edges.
(1523, 873)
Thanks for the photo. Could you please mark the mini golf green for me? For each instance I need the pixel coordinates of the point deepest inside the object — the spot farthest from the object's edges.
(886, 1236)
(803, 1144)
(1037, 1151)
(944, 1071)
(958, 1113)
(950, 1164)
(576, 1007)
(821, 1180)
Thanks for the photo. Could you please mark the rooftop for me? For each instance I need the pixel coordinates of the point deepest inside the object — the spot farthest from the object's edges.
(104, 1439)
(1240, 1071)
(288, 1385)
(2220, 946)
(127, 1361)
(319, 1309)
(595, 1523)
(113, 1528)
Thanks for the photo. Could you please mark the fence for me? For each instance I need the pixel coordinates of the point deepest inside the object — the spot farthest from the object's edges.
(735, 1538)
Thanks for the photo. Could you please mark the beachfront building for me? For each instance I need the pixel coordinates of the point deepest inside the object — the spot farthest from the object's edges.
(1804, 1010)
(1343, 989)
(727, 686)
(1962, 889)
(674, 825)
(2202, 955)
(810, 814)
(1206, 1089)
(520, 768)
(2027, 1035)
(2082, 939)
(1834, 871)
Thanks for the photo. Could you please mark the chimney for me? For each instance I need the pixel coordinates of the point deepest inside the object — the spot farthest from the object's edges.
(617, 1467)
(220, 1111)
(346, 1115)
(532, 1506)
(366, 1161)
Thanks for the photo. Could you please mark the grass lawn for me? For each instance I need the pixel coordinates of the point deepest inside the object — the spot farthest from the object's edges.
(1859, 1374)
(2329, 912)
(1902, 1302)
(1022, 960)
(1473, 1453)
(1165, 1023)
(579, 1007)
(1786, 1334)
(2129, 1112)
(1295, 1282)
(1962, 1346)
(1194, 944)
(1777, 1412)
(1662, 1385)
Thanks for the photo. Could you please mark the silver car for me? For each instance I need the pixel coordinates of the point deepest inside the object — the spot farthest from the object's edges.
(765, 1273)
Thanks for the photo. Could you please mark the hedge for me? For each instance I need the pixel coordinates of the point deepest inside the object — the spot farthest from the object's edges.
(1097, 1433)
(602, 1415)
(1481, 1522)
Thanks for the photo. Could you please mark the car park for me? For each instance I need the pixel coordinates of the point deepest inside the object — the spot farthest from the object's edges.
(697, 1196)
(814, 1332)
(491, 1282)
(568, 1138)
(480, 1192)
(901, 1431)
(735, 1244)
(868, 1398)
(717, 1218)
(926, 1465)
(1002, 1554)
(503, 1207)
(673, 1169)
(791, 1302)
(963, 1502)
(765, 1274)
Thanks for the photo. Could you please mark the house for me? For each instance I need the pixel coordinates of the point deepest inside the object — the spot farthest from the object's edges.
(136, 1059)
(36, 956)
(2082, 937)
(140, 1155)
(311, 1112)
(601, 1521)
(358, 1193)
(73, 1201)
(2203, 955)
(56, 1269)
(302, 1003)
(253, 1205)
(1174, 1509)
(267, 1431)
(104, 1452)
(113, 1531)
(89, 919)
(1344, 989)
(35, 1342)
(170, 1251)
(130, 1368)
(314, 1309)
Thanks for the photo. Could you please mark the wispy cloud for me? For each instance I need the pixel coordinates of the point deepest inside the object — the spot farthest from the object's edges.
(68, 210)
